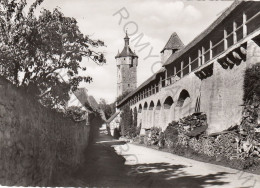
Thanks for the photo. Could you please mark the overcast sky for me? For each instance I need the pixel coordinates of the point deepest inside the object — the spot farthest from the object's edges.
(156, 19)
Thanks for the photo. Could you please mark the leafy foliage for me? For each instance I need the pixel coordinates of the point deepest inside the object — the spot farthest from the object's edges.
(126, 120)
(35, 50)
(121, 97)
(108, 109)
(127, 126)
(252, 83)
(171, 134)
(155, 135)
(250, 122)
(76, 113)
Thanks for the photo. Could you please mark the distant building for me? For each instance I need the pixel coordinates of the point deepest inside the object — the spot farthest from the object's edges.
(113, 123)
(81, 98)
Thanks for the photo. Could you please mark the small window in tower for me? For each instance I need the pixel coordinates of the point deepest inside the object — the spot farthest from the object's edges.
(132, 62)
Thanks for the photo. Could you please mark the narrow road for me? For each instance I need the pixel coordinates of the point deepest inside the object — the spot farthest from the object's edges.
(113, 163)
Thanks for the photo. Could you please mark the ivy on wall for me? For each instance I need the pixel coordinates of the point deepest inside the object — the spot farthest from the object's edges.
(252, 83)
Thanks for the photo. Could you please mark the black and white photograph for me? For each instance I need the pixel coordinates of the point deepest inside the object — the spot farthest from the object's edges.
(130, 93)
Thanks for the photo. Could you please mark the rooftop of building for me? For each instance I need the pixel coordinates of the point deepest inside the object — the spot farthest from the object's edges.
(174, 43)
(126, 52)
(112, 117)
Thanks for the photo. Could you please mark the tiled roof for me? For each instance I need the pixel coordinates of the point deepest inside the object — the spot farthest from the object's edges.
(126, 52)
(174, 43)
(112, 117)
(83, 97)
(92, 101)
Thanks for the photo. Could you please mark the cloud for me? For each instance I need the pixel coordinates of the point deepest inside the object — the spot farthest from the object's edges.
(163, 13)
(166, 11)
(191, 14)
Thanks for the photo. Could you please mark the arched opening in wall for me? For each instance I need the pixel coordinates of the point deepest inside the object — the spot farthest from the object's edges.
(151, 105)
(140, 108)
(168, 102)
(197, 107)
(158, 105)
(135, 110)
(184, 95)
(184, 104)
(145, 106)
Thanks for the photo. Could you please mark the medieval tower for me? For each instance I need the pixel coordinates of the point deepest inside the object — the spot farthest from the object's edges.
(126, 62)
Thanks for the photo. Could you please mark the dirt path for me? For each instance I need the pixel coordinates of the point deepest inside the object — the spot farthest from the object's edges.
(112, 163)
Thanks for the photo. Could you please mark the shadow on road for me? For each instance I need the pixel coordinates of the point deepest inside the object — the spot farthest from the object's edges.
(105, 168)
(168, 175)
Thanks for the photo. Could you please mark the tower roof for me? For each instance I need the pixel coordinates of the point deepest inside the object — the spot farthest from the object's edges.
(126, 52)
(174, 43)
(126, 35)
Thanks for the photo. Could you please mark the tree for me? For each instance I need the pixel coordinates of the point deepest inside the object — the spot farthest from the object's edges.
(127, 124)
(34, 50)
(126, 120)
(121, 97)
(108, 109)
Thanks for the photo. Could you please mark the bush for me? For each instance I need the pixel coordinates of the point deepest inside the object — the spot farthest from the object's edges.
(76, 113)
(154, 135)
(116, 133)
(171, 134)
(139, 139)
(161, 143)
(249, 162)
(138, 130)
(147, 141)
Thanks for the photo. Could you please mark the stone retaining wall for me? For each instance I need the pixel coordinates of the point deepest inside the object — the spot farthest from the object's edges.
(35, 140)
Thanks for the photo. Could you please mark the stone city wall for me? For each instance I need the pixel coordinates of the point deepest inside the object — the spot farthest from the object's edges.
(220, 96)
